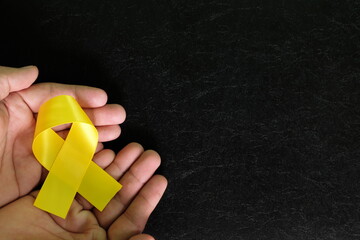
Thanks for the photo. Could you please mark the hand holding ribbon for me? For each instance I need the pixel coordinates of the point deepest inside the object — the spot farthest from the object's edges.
(125, 215)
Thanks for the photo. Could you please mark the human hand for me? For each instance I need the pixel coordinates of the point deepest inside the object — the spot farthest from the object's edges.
(126, 214)
(123, 218)
(19, 170)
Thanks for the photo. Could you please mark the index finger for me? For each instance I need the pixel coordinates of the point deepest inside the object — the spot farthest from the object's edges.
(87, 97)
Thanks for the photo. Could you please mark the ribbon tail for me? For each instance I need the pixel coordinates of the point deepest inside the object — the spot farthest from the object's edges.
(98, 187)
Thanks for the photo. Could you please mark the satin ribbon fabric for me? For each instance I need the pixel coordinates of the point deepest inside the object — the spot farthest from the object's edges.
(69, 161)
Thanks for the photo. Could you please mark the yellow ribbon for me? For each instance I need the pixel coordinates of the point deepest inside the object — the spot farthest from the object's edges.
(69, 161)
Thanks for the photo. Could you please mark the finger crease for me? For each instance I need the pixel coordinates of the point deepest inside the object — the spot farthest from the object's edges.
(146, 199)
(138, 227)
(135, 177)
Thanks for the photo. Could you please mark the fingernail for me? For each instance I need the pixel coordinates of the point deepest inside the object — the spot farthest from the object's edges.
(26, 67)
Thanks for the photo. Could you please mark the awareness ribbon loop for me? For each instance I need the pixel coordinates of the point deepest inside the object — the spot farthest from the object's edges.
(69, 161)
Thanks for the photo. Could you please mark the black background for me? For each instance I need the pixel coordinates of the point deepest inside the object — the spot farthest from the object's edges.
(253, 105)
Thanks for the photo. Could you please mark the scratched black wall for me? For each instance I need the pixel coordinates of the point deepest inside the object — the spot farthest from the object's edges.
(254, 106)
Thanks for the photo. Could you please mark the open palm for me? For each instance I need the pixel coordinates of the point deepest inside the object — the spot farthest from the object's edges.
(123, 218)
(20, 172)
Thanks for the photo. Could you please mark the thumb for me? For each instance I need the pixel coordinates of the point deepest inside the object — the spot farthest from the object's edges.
(16, 79)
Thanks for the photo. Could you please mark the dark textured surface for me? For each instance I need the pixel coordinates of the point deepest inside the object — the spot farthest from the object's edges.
(253, 105)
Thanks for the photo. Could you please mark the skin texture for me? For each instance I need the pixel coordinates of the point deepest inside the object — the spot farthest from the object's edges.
(126, 214)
